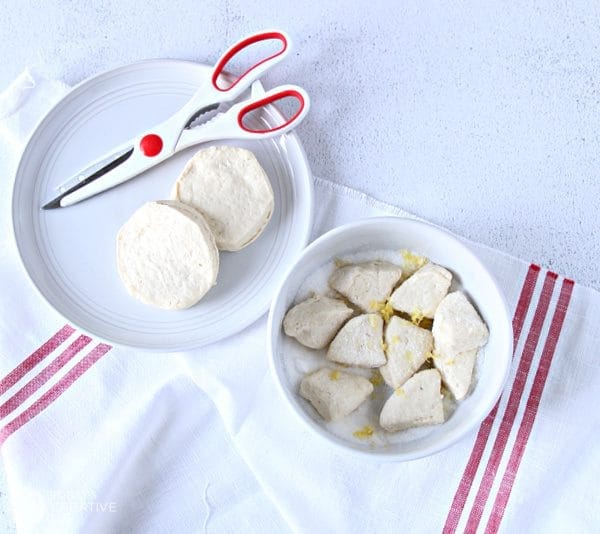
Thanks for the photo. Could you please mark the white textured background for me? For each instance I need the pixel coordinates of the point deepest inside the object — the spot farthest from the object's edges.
(482, 117)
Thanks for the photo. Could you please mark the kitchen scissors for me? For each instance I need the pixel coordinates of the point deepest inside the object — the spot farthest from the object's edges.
(178, 132)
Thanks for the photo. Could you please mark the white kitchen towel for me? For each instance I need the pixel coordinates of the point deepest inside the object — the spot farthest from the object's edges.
(530, 467)
(137, 432)
(95, 439)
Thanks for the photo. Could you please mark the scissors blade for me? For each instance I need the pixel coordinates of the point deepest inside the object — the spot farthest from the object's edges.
(88, 175)
(201, 116)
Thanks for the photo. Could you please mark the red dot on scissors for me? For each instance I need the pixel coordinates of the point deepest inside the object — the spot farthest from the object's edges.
(151, 145)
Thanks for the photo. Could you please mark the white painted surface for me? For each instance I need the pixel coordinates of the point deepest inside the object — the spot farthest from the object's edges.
(482, 117)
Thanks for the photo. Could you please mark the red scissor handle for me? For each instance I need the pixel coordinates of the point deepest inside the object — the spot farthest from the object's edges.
(271, 98)
(255, 71)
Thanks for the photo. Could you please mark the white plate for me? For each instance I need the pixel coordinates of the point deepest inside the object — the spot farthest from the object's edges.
(69, 253)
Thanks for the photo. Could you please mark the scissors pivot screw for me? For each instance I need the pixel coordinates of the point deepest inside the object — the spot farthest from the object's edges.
(151, 145)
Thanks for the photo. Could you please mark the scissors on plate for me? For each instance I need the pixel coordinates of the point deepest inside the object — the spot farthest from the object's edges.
(179, 132)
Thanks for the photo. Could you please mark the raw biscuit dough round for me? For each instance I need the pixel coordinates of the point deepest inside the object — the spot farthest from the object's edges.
(166, 255)
(231, 189)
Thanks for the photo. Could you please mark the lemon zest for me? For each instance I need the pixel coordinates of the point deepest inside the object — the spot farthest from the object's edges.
(334, 375)
(376, 378)
(363, 433)
(413, 259)
(383, 307)
(416, 316)
(387, 311)
(376, 305)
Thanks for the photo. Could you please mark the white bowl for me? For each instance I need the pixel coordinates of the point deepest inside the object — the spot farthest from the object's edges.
(470, 275)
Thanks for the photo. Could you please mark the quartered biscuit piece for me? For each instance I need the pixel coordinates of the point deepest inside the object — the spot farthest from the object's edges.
(408, 346)
(335, 394)
(417, 403)
(315, 321)
(456, 371)
(231, 189)
(366, 284)
(457, 326)
(423, 291)
(359, 342)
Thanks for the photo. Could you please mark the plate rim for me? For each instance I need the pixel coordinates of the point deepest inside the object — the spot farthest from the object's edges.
(46, 118)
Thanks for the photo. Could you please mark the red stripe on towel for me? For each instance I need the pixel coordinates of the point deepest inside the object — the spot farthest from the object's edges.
(531, 408)
(462, 492)
(55, 391)
(512, 406)
(33, 359)
(40, 379)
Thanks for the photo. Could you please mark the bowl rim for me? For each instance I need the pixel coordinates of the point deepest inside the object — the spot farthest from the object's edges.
(331, 439)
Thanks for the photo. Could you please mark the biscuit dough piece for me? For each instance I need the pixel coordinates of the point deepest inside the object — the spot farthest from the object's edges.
(408, 346)
(231, 189)
(315, 321)
(423, 291)
(456, 371)
(417, 403)
(166, 255)
(366, 284)
(335, 394)
(359, 342)
(457, 326)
